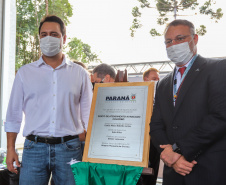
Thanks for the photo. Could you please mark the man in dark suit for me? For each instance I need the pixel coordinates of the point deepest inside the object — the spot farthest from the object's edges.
(188, 125)
(152, 74)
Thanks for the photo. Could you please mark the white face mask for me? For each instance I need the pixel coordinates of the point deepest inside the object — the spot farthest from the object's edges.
(180, 54)
(51, 46)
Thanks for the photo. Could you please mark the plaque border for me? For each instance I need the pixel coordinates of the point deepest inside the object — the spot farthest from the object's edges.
(146, 144)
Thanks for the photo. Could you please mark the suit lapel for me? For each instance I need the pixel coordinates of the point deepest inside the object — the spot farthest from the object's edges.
(169, 93)
(189, 80)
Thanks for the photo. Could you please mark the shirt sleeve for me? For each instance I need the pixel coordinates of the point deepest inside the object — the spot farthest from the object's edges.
(86, 100)
(15, 107)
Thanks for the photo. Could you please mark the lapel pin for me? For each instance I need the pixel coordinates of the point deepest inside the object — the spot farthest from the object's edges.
(197, 69)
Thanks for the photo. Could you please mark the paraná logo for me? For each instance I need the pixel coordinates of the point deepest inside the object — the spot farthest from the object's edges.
(133, 96)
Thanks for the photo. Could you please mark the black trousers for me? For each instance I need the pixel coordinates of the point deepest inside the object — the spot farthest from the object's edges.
(154, 160)
(9, 178)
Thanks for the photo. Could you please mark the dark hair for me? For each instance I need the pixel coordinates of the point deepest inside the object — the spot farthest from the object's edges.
(53, 18)
(80, 63)
(104, 69)
(183, 22)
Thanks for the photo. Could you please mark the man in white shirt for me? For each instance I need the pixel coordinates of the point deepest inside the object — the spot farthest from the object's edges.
(55, 95)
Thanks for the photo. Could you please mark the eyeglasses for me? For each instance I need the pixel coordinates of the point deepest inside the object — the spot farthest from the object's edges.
(178, 39)
(102, 81)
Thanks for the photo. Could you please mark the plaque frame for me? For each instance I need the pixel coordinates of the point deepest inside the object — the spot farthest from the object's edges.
(146, 141)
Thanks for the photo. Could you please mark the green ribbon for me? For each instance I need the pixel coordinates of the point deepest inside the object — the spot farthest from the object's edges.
(86, 173)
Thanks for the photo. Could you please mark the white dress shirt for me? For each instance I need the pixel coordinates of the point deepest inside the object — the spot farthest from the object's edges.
(55, 101)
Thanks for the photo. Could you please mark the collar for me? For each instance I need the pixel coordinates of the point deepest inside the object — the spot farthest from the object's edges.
(186, 65)
(40, 62)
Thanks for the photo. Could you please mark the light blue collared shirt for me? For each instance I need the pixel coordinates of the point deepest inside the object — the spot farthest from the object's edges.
(178, 75)
(56, 102)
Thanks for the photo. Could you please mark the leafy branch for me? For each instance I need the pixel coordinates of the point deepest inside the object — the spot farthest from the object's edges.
(166, 7)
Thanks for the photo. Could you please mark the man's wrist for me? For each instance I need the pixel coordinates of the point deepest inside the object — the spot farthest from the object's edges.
(176, 149)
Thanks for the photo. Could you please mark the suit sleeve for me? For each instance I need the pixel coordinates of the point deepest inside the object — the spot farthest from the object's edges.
(212, 129)
(157, 127)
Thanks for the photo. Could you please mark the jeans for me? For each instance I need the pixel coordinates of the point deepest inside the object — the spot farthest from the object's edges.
(40, 159)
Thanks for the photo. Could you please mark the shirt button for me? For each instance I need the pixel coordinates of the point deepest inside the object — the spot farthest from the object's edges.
(54, 95)
(52, 121)
(53, 82)
(175, 127)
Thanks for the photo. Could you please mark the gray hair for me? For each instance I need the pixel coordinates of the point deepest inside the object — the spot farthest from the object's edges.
(183, 22)
(104, 69)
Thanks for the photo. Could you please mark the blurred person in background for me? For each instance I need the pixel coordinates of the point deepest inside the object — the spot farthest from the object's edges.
(103, 73)
(151, 74)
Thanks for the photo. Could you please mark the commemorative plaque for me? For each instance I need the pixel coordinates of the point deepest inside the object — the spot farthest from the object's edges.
(118, 130)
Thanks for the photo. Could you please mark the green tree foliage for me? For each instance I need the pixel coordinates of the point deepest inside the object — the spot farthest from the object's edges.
(61, 8)
(26, 35)
(29, 15)
(80, 51)
(167, 7)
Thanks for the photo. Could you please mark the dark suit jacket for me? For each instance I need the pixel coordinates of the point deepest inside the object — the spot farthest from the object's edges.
(197, 123)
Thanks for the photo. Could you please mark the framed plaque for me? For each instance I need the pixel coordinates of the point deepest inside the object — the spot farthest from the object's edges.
(118, 129)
